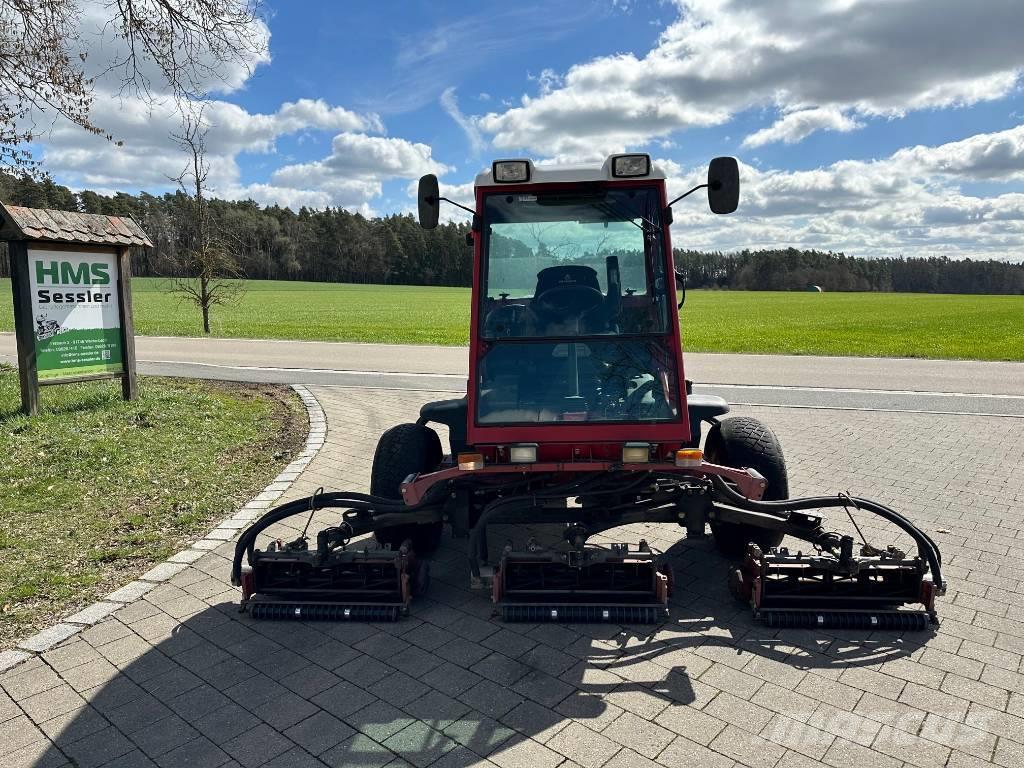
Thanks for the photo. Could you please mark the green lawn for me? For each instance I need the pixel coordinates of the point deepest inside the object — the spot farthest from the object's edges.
(96, 490)
(874, 324)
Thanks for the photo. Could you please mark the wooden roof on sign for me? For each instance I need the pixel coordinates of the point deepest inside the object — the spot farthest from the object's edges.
(20, 223)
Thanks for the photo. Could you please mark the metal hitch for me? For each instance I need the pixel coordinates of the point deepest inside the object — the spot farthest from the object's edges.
(822, 591)
(345, 585)
(583, 585)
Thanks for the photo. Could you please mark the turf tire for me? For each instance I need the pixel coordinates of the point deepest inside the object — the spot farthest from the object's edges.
(741, 441)
(401, 451)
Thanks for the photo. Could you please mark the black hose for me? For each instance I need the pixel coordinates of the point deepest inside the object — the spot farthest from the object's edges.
(335, 499)
(925, 546)
(363, 502)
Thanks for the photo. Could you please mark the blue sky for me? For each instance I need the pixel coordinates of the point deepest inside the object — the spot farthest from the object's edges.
(400, 63)
(870, 126)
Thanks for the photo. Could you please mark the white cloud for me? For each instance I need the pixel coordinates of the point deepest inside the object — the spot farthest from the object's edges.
(451, 105)
(797, 125)
(148, 155)
(145, 156)
(984, 156)
(847, 58)
(317, 113)
(908, 203)
(354, 171)
(356, 155)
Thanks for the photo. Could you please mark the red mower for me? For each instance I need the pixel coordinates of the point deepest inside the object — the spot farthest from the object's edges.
(577, 419)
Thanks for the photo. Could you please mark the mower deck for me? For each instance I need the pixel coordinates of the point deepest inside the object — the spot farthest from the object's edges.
(292, 582)
(801, 591)
(589, 586)
(576, 582)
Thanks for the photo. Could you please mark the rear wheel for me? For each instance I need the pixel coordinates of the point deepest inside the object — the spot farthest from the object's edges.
(744, 442)
(402, 451)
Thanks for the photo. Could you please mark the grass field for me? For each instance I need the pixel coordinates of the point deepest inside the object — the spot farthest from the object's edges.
(872, 324)
(96, 490)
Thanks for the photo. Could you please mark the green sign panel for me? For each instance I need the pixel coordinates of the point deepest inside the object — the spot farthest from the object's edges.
(75, 313)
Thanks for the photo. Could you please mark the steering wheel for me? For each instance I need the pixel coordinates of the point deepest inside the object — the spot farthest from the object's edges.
(561, 302)
(635, 399)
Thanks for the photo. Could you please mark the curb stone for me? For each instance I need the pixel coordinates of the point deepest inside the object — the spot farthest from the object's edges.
(225, 530)
(11, 659)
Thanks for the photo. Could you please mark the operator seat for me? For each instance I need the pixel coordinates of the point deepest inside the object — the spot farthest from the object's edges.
(568, 299)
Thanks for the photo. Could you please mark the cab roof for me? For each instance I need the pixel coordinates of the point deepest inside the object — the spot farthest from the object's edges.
(547, 174)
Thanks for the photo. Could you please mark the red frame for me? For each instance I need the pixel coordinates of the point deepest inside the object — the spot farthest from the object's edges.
(750, 483)
(674, 433)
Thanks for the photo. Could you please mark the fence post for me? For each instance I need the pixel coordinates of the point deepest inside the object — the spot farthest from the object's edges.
(23, 330)
(129, 381)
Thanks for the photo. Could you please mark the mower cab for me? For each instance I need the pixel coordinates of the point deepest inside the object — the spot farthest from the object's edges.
(578, 417)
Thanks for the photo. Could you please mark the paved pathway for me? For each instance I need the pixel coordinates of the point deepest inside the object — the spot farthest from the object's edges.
(179, 678)
(234, 355)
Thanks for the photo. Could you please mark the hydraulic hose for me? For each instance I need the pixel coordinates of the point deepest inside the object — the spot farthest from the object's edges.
(925, 546)
(375, 505)
(335, 499)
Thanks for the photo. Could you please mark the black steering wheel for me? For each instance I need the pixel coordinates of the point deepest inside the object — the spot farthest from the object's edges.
(564, 302)
(635, 399)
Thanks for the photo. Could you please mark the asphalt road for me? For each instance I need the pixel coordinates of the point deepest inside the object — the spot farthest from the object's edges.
(875, 384)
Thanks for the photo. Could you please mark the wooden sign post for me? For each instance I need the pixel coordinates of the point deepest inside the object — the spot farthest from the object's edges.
(71, 281)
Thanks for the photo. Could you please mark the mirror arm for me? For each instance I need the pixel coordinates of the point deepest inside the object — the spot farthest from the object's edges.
(686, 194)
(432, 200)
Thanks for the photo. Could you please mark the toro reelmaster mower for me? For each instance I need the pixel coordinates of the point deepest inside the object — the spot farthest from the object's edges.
(578, 415)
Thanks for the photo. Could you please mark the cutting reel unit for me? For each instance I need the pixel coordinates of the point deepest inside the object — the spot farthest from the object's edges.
(829, 586)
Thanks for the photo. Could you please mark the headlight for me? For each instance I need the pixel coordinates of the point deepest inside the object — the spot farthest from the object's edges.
(524, 453)
(631, 165)
(636, 453)
(511, 171)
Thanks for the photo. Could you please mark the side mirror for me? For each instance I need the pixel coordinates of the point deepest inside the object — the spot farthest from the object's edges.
(723, 185)
(680, 288)
(429, 201)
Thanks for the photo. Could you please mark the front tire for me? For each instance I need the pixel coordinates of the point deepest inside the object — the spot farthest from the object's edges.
(402, 451)
(741, 441)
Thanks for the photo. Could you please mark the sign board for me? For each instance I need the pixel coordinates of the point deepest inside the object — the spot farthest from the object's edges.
(71, 279)
(75, 313)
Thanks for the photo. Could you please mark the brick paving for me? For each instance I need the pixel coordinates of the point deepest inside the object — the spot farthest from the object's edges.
(178, 678)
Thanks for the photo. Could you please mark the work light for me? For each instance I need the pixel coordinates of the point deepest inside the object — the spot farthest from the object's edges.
(511, 171)
(524, 453)
(636, 453)
(631, 165)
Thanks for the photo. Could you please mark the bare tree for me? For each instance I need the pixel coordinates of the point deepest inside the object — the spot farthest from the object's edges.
(565, 250)
(207, 271)
(180, 44)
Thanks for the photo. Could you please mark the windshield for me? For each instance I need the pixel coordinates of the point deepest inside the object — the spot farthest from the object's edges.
(628, 380)
(573, 263)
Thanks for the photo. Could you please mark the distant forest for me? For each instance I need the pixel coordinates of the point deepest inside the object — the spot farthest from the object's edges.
(334, 245)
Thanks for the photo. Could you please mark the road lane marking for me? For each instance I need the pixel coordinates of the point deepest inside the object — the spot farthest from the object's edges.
(854, 390)
(762, 387)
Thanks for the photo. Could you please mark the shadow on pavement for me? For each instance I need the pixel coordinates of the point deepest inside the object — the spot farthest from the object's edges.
(448, 684)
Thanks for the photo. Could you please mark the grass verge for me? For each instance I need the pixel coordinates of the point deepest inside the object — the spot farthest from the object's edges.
(97, 490)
